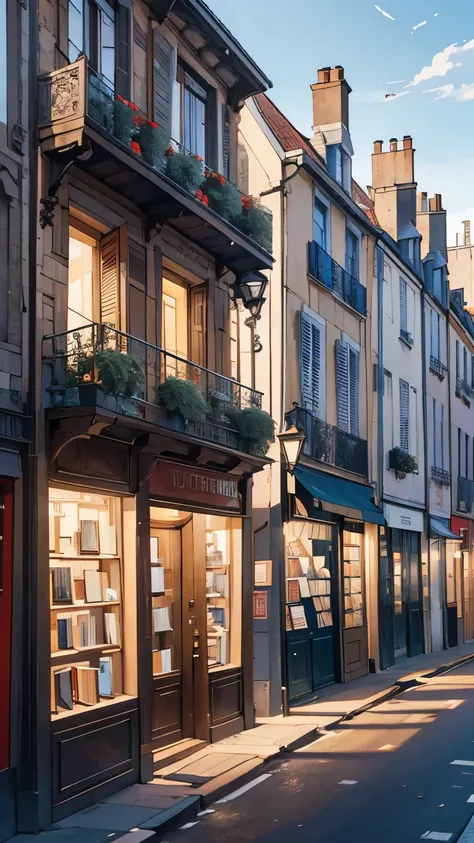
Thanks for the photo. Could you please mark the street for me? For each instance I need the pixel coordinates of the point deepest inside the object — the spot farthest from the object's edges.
(388, 775)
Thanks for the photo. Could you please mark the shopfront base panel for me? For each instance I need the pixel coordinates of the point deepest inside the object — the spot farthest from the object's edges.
(226, 703)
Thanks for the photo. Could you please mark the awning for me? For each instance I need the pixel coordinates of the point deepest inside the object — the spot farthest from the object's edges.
(10, 465)
(340, 492)
(439, 530)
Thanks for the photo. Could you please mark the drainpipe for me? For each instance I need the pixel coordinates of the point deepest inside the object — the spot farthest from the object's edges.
(282, 189)
(427, 481)
(380, 379)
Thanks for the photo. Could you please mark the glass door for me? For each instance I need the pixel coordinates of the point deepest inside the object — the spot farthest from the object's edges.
(408, 612)
(354, 636)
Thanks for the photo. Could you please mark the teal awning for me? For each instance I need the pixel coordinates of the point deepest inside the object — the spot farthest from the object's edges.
(336, 490)
(439, 530)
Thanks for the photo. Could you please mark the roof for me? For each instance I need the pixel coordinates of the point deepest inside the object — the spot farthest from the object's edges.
(363, 200)
(286, 134)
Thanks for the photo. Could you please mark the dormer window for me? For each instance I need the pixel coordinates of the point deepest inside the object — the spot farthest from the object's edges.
(411, 251)
(339, 165)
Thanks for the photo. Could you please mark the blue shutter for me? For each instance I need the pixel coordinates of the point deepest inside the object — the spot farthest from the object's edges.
(404, 416)
(403, 305)
(354, 391)
(310, 362)
(458, 350)
(342, 386)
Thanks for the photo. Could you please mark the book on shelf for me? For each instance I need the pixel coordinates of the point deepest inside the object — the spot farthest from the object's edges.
(79, 591)
(87, 684)
(298, 616)
(161, 619)
(162, 661)
(64, 627)
(157, 579)
(93, 586)
(294, 566)
(89, 536)
(304, 587)
(217, 614)
(214, 558)
(63, 689)
(104, 584)
(352, 552)
(221, 583)
(292, 590)
(106, 677)
(154, 549)
(111, 628)
(61, 585)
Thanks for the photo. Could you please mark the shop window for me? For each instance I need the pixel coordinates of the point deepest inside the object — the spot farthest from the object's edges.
(89, 627)
(309, 580)
(223, 590)
(80, 275)
(353, 548)
(165, 569)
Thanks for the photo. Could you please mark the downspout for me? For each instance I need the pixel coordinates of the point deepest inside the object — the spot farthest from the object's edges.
(425, 438)
(380, 436)
(282, 189)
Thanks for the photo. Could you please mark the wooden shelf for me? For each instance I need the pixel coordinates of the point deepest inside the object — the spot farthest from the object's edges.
(66, 607)
(90, 557)
(214, 594)
(59, 654)
(81, 708)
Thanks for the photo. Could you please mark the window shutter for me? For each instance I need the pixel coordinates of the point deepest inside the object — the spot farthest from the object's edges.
(198, 325)
(221, 330)
(161, 76)
(403, 305)
(342, 385)
(310, 363)
(404, 416)
(123, 51)
(110, 279)
(354, 391)
(458, 350)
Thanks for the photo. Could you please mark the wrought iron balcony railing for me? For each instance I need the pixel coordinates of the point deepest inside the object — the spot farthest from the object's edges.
(406, 336)
(328, 444)
(75, 100)
(464, 390)
(438, 368)
(328, 272)
(440, 475)
(77, 372)
(465, 495)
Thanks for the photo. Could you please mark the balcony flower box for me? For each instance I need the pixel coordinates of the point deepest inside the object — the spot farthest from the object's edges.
(182, 401)
(402, 462)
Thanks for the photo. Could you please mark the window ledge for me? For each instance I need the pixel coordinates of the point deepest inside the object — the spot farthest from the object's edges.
(406, 341)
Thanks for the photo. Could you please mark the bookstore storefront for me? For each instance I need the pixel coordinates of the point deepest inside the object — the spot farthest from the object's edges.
(200, 581)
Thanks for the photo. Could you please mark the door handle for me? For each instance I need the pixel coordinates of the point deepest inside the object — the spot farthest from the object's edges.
(195, 655)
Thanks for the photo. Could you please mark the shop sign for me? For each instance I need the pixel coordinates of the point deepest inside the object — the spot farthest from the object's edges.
(184, 484)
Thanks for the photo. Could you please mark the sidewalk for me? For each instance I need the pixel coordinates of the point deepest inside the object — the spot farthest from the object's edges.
(177, 793)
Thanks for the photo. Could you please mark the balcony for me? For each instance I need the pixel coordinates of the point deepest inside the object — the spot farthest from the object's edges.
(465, 495)
(324, 269)
(326, 443)
(464, 391)
(138, 160)
(96, 366)
(441, 476)
(401, 462)
(438, 368)
(406, 337)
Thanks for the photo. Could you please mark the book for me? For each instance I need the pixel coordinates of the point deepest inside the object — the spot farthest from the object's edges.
(304, 587)
(104, 584)
(154, 544)
(61, 585)
(158, 579)
(298, 616)
(292, 591)
(294, 567)
(161, 619)
(106, 683)
(162, 661)
(87, 684)
(63, 688)
(304, 563)
(111, 628)
(111, 595)
(93, 586)
(352, 552)
(79, 591)
(64, 633)
(89, 536)
(221, 582)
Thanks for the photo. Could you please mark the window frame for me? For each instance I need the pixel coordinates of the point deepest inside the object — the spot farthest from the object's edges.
(354, 233)
(4, 61)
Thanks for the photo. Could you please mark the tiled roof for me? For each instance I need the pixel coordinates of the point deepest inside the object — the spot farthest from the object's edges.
(286, 134)
(364, 202)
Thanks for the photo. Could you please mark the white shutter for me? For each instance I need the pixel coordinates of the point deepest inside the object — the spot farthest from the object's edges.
(342, 385)
(310, 363)
(403, 304)
(404, 416)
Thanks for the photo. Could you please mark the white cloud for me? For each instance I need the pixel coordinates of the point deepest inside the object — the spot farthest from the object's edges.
(419, 25)
(385, 14)
(443, 92)
(466, 92)
(436, 14)
(397, 82)
(441, 63)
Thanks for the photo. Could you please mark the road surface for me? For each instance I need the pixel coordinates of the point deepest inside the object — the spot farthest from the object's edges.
(388, 775)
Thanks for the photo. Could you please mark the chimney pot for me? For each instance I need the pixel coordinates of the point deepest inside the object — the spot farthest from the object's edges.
(378, 146)
(435, 203)
(324, 74)
(467, 232)
(393, 144)
(407, 141)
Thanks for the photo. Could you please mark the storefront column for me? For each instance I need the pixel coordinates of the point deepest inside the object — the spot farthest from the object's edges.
(247, 604)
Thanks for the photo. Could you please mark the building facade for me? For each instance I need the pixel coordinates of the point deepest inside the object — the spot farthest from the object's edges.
(317, 524)
(142, 573)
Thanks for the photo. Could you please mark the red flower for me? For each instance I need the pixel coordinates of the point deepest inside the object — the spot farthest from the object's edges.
(207, 174)
(154, 125)
(121, 99)
(218, 178)
(204, 200)
(138, 119)
(246, 203)
(133, 106)
(198, 158)
(169, 151)
(199, 194)
(135, 147)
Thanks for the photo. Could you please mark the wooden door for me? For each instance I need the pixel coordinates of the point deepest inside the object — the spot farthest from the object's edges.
(6, 537)
(355, 647)
(325, 629)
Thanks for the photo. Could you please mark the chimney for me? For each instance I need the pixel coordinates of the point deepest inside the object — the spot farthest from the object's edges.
(431, 223)
(467, 232)
(393, 184)
(330, 98)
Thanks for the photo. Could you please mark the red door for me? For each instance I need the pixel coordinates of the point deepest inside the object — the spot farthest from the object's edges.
(6, 547)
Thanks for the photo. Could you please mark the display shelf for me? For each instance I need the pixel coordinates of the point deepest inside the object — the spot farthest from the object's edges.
(70, 607)
(110, 648)
(103, 703)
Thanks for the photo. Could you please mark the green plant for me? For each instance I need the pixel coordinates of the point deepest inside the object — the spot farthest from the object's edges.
(223, 197)
(256, 427)
(257, 223)
(118, 373)
(184, 169)
(402, 462)
(101, 103)
(153, 142)
(181, 397)
(80, 370)
(124, 121)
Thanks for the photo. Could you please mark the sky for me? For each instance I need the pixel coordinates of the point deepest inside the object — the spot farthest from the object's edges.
(425, 56)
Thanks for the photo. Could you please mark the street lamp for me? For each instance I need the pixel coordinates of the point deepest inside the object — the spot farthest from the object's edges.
(250, 289)
(291, 445)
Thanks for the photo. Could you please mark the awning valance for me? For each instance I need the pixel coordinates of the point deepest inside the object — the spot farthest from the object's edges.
(340, 492)
(440, 530)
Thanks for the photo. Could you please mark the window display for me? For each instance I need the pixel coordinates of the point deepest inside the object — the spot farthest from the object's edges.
(165, 570)
(308, 576)
(223, 589)
(86, 593)
(353, 574)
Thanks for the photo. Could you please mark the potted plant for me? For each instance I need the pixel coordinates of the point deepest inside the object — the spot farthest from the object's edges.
(184, 168)
(119, 373)
(402, 462)
(124, 120)
(256, 222)
(256, 429)
(153, 142)
(223, 197)
(182, 401)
